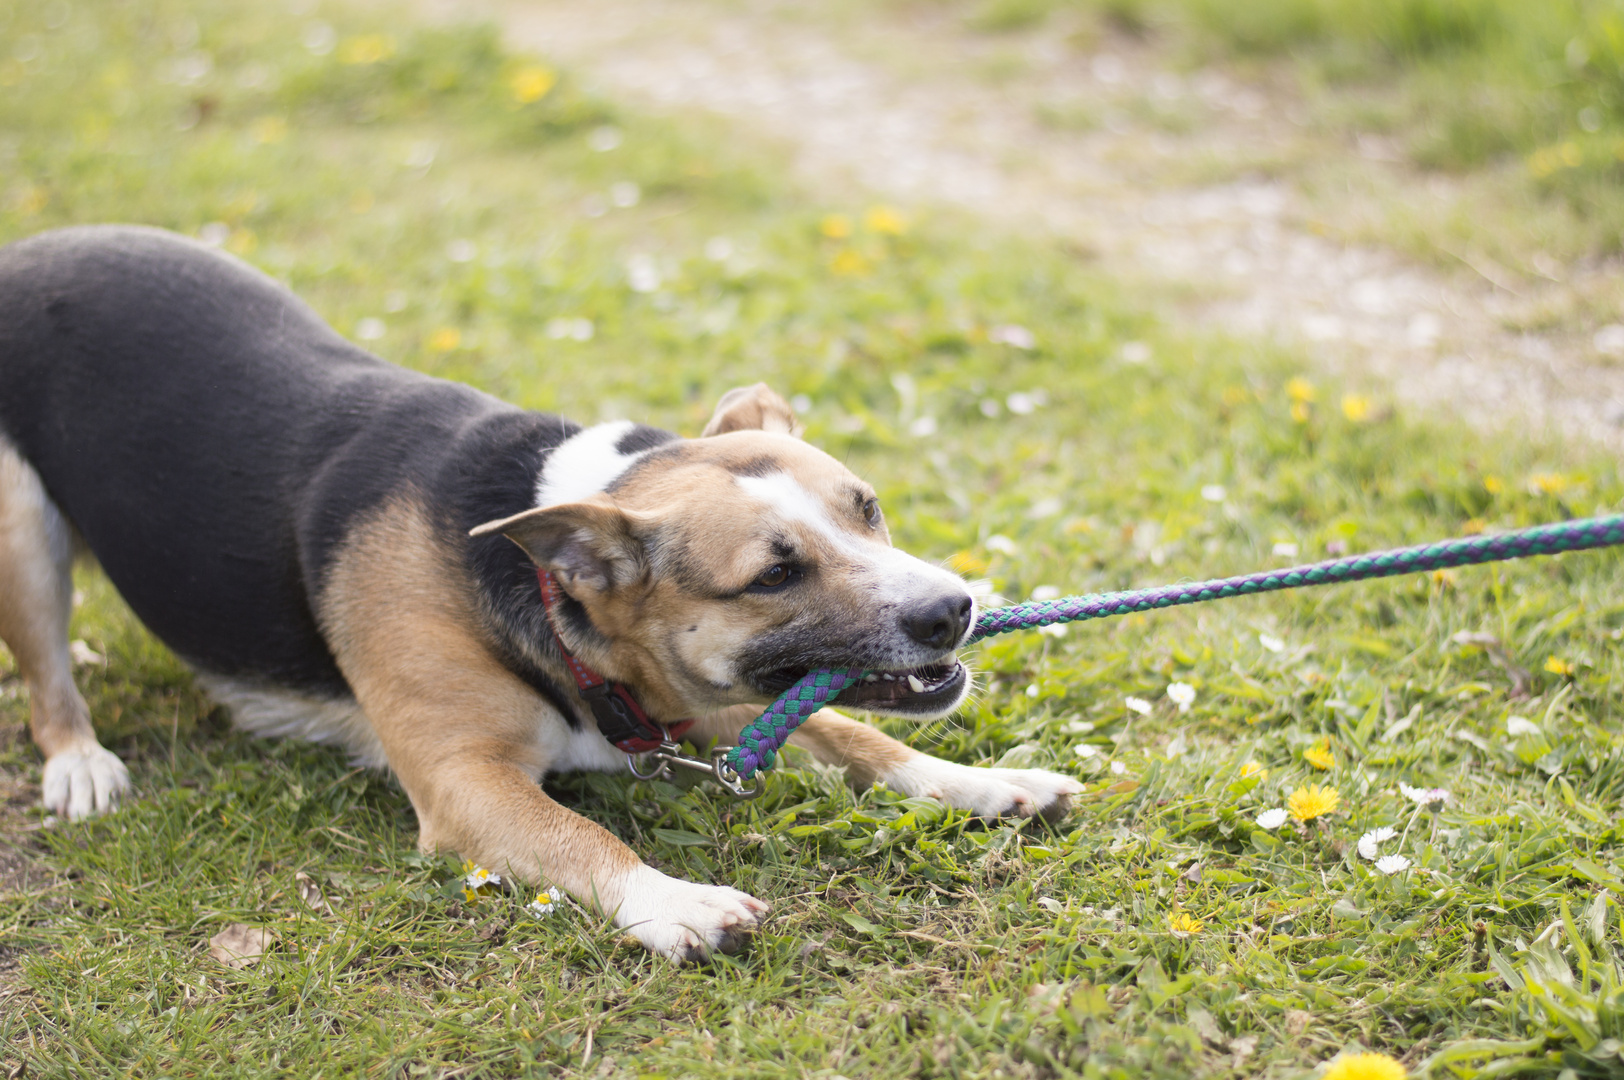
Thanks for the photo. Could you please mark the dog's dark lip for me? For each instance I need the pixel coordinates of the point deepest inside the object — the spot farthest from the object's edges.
(927, 689)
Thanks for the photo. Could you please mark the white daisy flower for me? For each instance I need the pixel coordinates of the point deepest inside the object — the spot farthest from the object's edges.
(1084, 750)
(1214, 493)
(1369, 842)
(545, 904)
(1117, 768)
(1424, 796)
(1272, 819)
(1392, 864)
(1270, 642)
(1000, 543)
(1138, 705)
(479, 877)
(1182, 695)
(1285, 549)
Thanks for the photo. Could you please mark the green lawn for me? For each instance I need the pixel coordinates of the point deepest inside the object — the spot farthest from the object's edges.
(463, 213)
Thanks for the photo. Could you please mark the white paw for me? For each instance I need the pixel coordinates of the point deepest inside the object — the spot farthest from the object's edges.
(987, 792)
(684, 921)
(79, 783)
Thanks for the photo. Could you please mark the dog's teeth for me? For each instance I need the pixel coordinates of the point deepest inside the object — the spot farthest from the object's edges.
(914, 683)
(888, 677)
(871, 677)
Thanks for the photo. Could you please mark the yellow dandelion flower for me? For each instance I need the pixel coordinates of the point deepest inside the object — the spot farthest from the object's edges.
(1445, 578)
(1493, 485)
(849, 263)
(1356, 407)
(1183, 924)
(883, 219)
(445, 339)
(269, 129)
(1547, 483)
(1300, 389)
(242, 242)
(531, 83)
(1308, 803)
(1364, 1067)
(1558, 667)
(1319, 755)
(836, 226)
(469, 896)
(1473, 526)
(965, 562)
(1251, 769)
(367, 49)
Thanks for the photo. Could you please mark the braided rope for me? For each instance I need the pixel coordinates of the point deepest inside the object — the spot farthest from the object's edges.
(761, 740)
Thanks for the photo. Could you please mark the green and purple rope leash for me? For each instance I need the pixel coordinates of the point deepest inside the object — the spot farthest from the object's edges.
(762, 738)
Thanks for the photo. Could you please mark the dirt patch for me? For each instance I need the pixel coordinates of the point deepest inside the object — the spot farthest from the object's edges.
(1111, 148)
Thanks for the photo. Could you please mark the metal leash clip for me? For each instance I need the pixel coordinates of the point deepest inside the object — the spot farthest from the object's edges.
(669, 753)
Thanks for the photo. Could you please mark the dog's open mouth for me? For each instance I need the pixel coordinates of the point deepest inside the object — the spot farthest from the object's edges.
(928, 690)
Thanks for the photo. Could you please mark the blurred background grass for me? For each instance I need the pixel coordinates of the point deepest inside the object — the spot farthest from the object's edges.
(1463, 83)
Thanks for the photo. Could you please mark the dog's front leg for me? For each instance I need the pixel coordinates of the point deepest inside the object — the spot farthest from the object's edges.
(871, 756)
(477, 802)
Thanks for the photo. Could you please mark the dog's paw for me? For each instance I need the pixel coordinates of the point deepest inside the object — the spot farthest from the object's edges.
(987, 792)
(684, 921)
(79, 783)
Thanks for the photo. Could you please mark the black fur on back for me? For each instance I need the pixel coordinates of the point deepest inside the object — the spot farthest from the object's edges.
(214, 442)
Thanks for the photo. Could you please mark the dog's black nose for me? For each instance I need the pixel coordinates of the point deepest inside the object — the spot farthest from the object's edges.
(938, 623)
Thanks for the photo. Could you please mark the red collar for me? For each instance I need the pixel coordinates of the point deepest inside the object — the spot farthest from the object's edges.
(620, 718)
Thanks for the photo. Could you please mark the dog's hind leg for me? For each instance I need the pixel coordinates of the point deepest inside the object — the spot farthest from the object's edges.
(36, 595)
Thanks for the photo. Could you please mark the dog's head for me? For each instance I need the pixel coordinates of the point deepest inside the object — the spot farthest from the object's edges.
(718, 571)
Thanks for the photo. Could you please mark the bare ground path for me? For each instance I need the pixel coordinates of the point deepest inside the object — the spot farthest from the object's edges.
(1148, 168)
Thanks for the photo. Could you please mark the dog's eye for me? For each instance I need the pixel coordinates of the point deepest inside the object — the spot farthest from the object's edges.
(775, 576)
(871, 511)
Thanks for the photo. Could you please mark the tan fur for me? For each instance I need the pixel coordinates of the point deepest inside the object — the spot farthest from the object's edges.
(867, 755)
(751, 408)
(36, 594)
(832, 738)
(461, 731)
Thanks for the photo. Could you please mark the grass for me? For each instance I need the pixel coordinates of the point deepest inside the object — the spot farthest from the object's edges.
(1532, 93)
(401, 180)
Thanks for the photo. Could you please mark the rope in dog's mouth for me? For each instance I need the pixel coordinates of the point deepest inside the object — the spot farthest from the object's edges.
(762, 738)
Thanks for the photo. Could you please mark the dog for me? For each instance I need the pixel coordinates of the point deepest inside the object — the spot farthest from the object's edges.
(353, 553)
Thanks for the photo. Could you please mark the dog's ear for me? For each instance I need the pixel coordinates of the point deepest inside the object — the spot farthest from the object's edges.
(590, 545)
(751, 408)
